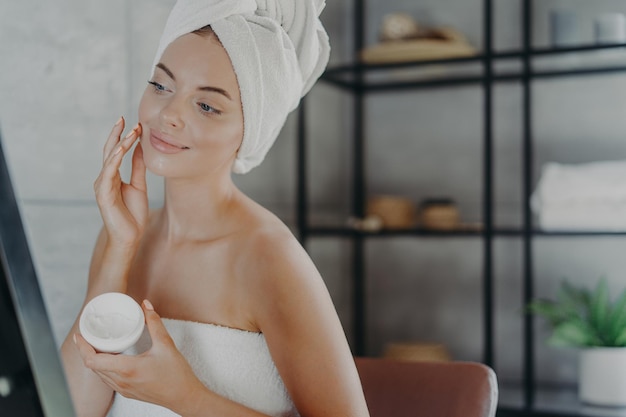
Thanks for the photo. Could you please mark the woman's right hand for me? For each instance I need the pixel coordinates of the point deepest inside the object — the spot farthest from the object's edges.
(124, 210)
(123, 206)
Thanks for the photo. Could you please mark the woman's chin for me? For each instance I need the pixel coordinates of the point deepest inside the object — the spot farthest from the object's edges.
(162, 166)
(157, 165)
(177, 165)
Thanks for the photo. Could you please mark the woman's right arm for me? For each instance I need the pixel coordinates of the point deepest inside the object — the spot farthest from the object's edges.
(91, 396)
(124, 210)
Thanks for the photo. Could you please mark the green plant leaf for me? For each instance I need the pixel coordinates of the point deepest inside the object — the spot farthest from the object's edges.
(617, 319)
(573, 333)
(580, 297)
(575, 302)
(600, 308)
(580, 317)
(547, 309)
(620, 340)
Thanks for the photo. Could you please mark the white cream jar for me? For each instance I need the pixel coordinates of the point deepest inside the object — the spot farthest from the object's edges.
(112, 322)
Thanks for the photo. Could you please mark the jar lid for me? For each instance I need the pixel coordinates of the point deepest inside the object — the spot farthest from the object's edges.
(112, 322)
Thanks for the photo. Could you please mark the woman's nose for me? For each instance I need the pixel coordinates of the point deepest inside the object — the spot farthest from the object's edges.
(171, 114)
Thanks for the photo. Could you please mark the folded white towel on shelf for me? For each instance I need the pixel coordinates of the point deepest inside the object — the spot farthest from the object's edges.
(278, 49)
(573, 183)
(585, 197)
(583, 217)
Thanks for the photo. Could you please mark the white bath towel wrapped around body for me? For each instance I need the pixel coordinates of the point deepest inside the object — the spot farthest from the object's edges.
(233, 363)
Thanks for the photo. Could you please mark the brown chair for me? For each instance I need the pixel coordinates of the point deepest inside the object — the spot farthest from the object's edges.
(396, 388)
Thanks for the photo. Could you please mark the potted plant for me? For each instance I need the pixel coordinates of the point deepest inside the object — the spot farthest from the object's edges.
(591, 321)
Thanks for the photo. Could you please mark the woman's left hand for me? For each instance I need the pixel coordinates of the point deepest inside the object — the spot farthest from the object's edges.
(161, 375)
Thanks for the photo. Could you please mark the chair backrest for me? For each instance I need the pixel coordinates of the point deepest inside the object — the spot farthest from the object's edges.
(396, 388)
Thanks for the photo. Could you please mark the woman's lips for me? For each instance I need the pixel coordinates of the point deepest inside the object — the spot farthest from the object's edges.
(164, 145)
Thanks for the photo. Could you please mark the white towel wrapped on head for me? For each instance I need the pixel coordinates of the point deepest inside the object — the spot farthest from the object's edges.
(278, 49)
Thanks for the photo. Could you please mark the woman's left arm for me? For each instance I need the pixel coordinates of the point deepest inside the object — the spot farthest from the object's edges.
(296, 314)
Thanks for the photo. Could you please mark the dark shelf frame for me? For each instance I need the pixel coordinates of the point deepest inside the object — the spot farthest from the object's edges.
(390, 86)
(339, 231)
(344, 76)
(527, 412)
(496, 56)
(352, 78)
(527, 170)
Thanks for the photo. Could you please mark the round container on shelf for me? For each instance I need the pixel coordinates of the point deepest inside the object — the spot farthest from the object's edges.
(610, 28)
(439, 214)
(393, 211)
(417, 351)
(564, 30)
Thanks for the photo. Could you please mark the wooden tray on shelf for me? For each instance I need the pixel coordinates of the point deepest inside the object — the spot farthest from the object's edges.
(449, 44)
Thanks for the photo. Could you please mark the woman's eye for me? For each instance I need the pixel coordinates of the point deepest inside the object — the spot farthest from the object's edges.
(208, 109)
(157, 87)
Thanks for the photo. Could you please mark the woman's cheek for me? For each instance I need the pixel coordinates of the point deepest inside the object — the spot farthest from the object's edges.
(148, 107)
(142, 110)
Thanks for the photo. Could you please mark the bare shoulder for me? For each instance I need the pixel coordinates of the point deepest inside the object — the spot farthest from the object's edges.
(289, 303)
(272, 253)
(283, 289)
(275, 266)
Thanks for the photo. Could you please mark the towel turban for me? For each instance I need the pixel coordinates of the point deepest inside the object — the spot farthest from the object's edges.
(278, 49)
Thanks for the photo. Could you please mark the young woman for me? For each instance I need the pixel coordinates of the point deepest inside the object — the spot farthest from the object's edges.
(239, 320)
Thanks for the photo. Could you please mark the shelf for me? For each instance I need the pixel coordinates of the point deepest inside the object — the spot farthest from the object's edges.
(551, 402)
(528, 68)
(348, 231)
(339, 231)
(517, 54)
(397, 76)
(579, 233)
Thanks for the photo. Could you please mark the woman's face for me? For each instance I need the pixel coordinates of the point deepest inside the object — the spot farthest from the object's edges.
(191, 111)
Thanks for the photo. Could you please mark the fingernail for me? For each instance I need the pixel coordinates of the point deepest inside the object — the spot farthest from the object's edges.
(119, 121)
(148, 305)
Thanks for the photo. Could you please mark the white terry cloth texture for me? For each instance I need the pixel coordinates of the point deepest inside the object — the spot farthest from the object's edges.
(278, 49)
(584, 217)
(589, 196)
(231, 362)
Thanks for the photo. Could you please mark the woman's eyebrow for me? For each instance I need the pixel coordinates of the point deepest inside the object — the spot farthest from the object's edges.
(166, 70)
(207, 88)
(216, 90)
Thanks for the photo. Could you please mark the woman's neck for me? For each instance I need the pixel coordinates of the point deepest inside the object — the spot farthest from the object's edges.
(198, 210)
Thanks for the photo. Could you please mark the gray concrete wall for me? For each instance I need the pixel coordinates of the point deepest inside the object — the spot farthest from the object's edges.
(70, 68)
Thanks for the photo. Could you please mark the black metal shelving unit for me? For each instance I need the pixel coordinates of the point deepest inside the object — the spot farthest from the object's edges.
(354, 79)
